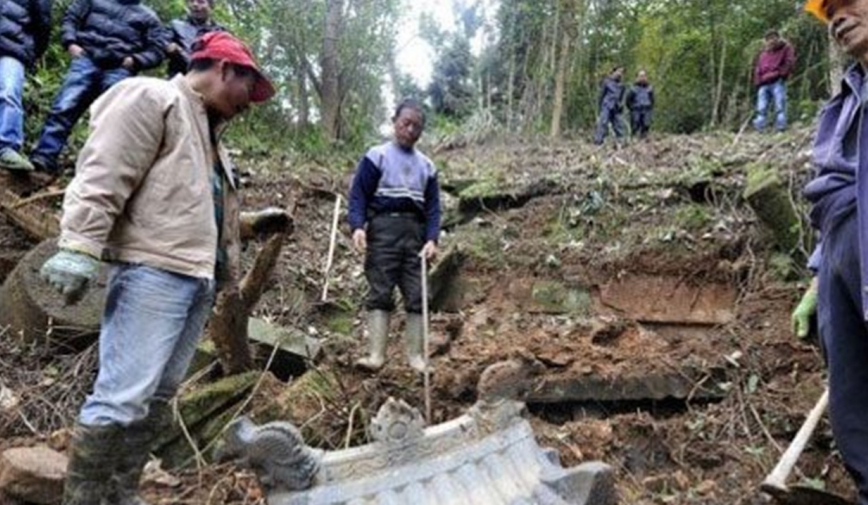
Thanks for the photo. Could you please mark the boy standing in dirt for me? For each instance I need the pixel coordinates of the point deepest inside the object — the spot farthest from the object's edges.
(155, 194)
(394, 212)
(184, 31)
(840, 214)
(611, 104)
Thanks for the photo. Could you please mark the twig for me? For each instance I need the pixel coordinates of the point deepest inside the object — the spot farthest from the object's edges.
(39, 196)
(350, 428)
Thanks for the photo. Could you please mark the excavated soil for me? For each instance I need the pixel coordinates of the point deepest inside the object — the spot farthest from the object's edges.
(652, 302)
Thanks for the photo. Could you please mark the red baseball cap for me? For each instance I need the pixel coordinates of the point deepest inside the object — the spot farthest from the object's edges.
(223, 46)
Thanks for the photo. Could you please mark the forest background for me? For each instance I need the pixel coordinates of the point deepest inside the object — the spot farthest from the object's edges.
(536, 73)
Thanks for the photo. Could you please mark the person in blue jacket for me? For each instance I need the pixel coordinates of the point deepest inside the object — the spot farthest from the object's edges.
(108, 41)
(839, 292)
(394, 212)
(640, 102)
(25, 26)
(611, 103)
(184, 31)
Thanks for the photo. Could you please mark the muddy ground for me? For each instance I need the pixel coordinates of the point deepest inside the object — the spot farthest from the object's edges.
(614, 269)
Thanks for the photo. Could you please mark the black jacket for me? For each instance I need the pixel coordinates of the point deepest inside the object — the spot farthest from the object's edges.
(184, 31)
(640, 96)
(611, 94)
(25, 26)
(111, 30)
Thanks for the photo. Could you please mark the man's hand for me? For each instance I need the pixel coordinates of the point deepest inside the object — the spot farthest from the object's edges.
(360, 239)
(70, 272)
(804, 310)
(128, 63)
(429, 251)
(75, 50)
(173, 48)
(265, 222)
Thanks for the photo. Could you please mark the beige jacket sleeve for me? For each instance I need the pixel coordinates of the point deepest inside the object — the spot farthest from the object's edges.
(126, 134)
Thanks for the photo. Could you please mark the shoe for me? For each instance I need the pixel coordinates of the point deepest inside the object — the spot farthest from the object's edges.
(10, 159)
(378, 332)
(414, 342)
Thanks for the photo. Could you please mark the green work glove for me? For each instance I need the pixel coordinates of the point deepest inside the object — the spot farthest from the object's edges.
(804, 310)
(70, 272)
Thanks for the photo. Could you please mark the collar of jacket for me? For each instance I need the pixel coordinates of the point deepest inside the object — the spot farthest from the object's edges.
(196, 98)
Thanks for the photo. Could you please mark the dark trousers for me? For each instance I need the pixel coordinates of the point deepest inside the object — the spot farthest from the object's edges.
(83, 83)
(844, 337)
(394, 242)
(640, 122)
(608, 116)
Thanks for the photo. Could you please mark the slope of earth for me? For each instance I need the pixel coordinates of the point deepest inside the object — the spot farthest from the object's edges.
(652, 303)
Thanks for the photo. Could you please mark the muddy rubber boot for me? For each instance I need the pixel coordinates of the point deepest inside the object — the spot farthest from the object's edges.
(138, 440)
(93, 456)
(413, 335)
(378, 332)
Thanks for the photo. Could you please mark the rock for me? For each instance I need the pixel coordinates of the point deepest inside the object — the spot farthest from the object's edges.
(769, 197)
(30, 307)
(445, 290)
(554, 297)
(33, 474)
(8, 260)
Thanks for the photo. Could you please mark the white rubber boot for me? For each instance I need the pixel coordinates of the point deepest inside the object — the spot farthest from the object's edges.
(378, 332)
(413, 335)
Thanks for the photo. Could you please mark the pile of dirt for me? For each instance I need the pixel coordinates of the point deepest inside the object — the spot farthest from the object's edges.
(638, 279)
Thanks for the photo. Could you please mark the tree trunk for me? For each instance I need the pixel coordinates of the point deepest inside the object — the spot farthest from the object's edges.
(330, 93)
(560, 79)
(228, 325)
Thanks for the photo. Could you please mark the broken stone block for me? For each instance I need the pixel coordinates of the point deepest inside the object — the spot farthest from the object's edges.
(487, 456)
(444, 282)
(671, 300)
(8, 260)
(554, 297)
(770, 199)
(33, 474)
(30, 307)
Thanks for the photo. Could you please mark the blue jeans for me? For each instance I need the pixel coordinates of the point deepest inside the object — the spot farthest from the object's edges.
(84, 82)
(151, 325)
(844, 339)
(773, 91)
(11, 107)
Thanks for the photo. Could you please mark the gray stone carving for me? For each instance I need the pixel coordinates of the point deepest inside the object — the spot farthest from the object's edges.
(487, 457)
(276, 451)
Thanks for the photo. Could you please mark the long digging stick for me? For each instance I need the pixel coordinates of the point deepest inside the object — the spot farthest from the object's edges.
(425, 339)
(776, 482)
(331, 256)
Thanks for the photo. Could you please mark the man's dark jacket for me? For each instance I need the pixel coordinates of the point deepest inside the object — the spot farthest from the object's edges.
(25, 26)
(111, 30)
(184, 31)
(611, 94)
(640, 96)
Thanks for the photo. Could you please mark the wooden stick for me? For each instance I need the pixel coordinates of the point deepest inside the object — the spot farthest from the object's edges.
(775, 482)
(331, 255)
(425, 339)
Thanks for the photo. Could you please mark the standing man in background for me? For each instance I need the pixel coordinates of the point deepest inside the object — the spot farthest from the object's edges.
(773, 66)
(184, 31)
(640, 102)
(25, 26)
(611, 104)
(108, 41)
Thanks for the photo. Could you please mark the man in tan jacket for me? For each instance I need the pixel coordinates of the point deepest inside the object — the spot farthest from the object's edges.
(154, 194)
